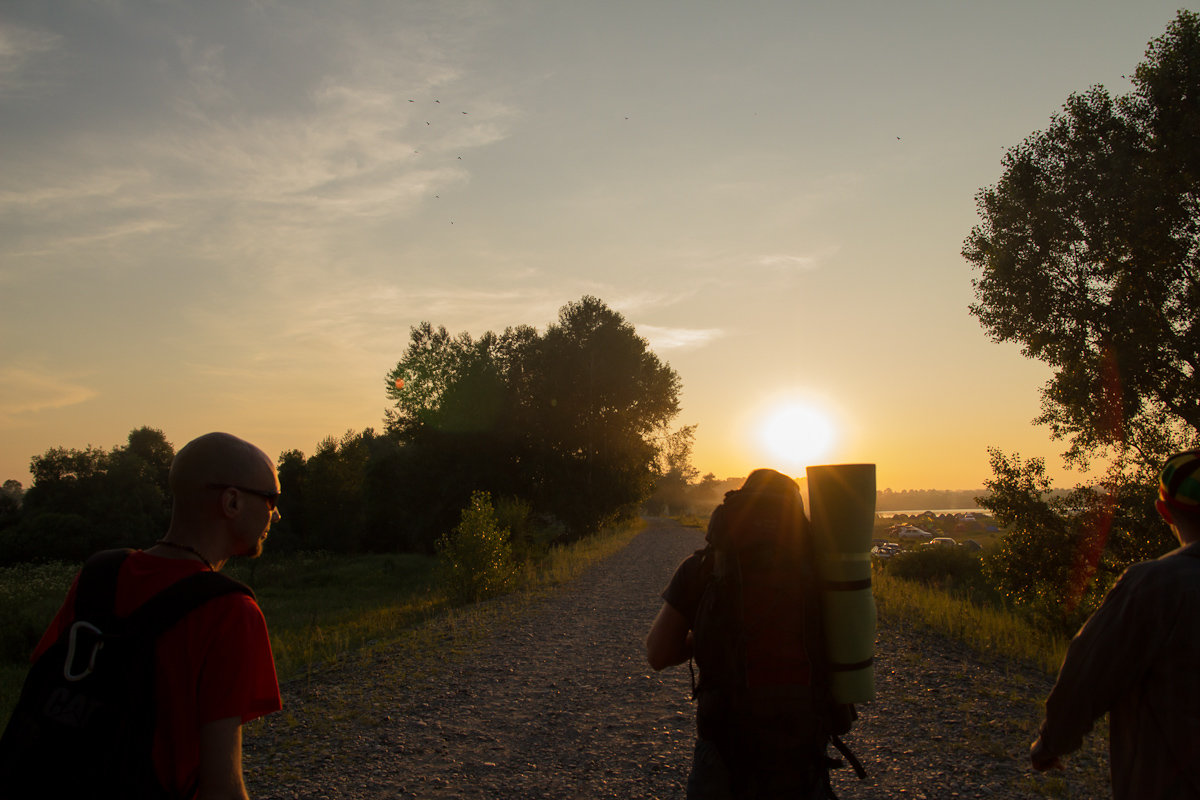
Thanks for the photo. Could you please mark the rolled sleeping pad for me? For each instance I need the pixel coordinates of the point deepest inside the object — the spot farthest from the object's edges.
(842, 504)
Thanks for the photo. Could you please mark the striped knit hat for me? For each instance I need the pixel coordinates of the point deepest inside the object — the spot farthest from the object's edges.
(1179, 481)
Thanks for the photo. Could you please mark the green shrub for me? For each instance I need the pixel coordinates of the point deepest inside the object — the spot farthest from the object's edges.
(530, 535)
(476, 558)
(944, 566)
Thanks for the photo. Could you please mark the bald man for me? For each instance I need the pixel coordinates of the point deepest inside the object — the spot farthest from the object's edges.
(213, 669)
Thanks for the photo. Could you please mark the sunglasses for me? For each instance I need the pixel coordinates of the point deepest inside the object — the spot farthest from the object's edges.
(272, 498)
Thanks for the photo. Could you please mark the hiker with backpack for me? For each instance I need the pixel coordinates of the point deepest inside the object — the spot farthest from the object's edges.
(1136, 659)
(140, 686)
(747, 609)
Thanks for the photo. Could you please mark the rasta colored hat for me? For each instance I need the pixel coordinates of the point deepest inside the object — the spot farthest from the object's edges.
(1179, 481)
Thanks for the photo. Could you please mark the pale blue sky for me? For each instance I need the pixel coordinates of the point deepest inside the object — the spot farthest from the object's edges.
(227, 215)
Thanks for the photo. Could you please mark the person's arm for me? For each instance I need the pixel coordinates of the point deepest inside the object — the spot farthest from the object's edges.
(1108, 655)
(221, 761)
(1042, 759)
(670, 640)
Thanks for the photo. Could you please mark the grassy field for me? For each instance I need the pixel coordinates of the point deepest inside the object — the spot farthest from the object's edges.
(319, 607)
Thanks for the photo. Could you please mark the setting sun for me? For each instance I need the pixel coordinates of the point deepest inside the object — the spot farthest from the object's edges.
(797, 435)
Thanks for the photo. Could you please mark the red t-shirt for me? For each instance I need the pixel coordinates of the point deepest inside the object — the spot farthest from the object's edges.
(213, 664)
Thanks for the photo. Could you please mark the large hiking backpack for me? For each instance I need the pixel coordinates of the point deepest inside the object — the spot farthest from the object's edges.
(763, 691)
(84, 723)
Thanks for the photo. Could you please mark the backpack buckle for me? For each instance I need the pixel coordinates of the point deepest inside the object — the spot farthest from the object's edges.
(88, 630)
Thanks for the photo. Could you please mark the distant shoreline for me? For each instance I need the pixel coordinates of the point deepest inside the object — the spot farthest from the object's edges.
(912, 512)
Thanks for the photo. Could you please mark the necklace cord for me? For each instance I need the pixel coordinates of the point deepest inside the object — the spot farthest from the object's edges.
(188, 548)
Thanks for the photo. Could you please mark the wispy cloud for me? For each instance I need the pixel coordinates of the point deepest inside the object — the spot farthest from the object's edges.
(795, 263)
(19, 47)
(28, 391)
(239, 164)
(642, 301)
(366, 317)
(678, 338)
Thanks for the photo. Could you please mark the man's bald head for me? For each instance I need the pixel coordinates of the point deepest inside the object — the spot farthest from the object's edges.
(218, 459)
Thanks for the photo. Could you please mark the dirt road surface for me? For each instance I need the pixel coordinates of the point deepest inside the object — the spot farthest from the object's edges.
(556, 701)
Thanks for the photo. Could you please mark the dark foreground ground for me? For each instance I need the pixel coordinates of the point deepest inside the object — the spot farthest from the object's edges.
(555, 701)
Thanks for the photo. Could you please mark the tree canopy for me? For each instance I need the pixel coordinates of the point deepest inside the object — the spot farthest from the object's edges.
(85, 500)
(1088, 250)
(570, 420)
(1061, 553)
(1089, 256)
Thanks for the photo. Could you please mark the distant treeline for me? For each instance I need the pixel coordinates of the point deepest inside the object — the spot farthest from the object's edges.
(934, 499)
(926, 499)
(566, 430)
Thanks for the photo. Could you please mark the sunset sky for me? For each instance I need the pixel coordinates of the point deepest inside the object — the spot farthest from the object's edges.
(227, 215)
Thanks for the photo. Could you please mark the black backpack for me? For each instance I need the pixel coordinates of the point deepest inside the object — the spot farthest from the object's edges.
(763, 693)
(84, 723)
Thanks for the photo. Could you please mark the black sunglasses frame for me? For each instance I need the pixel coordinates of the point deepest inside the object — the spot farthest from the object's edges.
(272, 498)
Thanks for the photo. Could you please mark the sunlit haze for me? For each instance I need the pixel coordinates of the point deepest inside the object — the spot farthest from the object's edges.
(795, 435)
(227, 216)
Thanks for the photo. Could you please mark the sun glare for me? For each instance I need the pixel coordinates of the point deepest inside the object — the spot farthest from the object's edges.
(797, 435)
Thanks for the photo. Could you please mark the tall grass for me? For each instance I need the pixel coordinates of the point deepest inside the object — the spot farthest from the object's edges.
(565, 562)
(987, 629)
(30, 594)
(320, 608)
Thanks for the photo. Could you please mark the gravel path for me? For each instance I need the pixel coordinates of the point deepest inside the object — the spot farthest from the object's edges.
(556, 701)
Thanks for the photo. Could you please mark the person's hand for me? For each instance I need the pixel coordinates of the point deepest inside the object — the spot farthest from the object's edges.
(1041, 759)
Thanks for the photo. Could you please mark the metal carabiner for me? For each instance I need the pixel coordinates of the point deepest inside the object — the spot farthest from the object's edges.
(68, 671)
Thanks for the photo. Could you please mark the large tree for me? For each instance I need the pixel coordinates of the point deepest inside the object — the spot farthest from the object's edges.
(599, 396)
(1062, 552)
(566, 420)
(1089, 256)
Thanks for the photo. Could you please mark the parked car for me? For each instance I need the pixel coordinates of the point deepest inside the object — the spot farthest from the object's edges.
(885, 550)
(941, 541)
(910, 532)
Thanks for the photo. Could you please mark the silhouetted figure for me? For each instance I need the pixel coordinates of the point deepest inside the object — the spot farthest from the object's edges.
(743, 608)
(1136, 659)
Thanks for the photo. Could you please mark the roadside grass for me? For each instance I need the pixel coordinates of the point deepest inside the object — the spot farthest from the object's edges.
(987, 629)
(321, 608)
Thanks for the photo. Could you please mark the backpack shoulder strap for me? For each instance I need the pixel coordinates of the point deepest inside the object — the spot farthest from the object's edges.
(853, 759)
(704, 575)
(95, 596)
(173, 603)
(96, 592)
